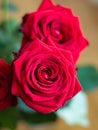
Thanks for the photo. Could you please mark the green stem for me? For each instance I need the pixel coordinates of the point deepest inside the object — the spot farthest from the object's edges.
(5, 4)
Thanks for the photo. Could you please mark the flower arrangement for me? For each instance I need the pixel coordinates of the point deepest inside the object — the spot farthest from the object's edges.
(43, 73)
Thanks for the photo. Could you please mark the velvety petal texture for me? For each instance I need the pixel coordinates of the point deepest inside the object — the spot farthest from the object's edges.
(56, 22)
(6, 98)
(44, 76)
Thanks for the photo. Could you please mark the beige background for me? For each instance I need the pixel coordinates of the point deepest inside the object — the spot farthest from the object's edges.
(89, 21)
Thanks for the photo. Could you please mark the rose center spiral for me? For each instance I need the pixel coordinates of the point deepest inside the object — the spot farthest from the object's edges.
(58, 34)
(46, 73)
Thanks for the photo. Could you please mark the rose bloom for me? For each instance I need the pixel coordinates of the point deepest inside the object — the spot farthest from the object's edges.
(6, 98)
(44, 77)
(56, 22)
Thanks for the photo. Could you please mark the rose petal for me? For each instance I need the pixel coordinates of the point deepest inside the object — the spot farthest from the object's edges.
(43, 6)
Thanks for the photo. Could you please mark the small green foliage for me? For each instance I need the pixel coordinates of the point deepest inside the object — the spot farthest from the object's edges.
(33, 117)
(11, 7)
(88, 77)
(9, 118)
(10, 39)
(37, 118)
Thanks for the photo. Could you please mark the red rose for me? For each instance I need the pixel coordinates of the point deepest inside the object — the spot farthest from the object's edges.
(44, 77)
(6, 98)
(55, 22)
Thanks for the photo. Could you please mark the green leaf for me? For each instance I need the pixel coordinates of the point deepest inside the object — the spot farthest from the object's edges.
(12, 25)
(5, 38)
(9, 118)
(10, 39)
(11, 7)
(9, 26)
(33, 117)
(37, 118)
(88, 77)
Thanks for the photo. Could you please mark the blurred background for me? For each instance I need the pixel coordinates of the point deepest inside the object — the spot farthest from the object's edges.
(87, 10)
